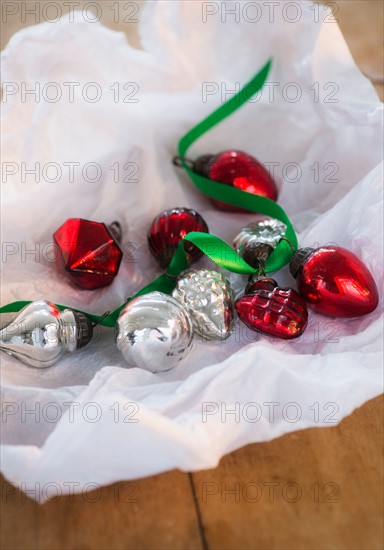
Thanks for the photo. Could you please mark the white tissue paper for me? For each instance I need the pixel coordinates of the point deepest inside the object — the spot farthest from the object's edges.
(92, 418)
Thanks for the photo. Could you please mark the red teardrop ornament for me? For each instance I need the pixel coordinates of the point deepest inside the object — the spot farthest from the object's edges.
(167, 231)
(267, 308)
(334, 281)
(239, 170)
(88, 251)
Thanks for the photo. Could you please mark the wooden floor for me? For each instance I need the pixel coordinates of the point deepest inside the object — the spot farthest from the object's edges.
(314, 489)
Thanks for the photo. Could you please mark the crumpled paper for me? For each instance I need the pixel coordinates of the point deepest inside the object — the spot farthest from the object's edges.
(92, 418)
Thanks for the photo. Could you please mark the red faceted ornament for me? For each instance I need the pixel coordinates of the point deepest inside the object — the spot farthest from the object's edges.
(167, 231)
(239, 170)
(89, 252)
(267, 308)
(334, 281)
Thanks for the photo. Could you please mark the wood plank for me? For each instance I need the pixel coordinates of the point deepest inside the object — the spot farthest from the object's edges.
(271, 495)
(157, 512)
(314, 489)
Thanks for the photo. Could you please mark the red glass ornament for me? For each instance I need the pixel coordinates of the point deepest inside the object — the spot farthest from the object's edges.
(334, 281)
(167, 231)
(239, 170)
(267, 308)
(88, 251)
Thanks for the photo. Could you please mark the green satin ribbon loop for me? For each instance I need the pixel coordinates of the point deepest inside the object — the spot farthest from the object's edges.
(231, 195)
(213, 247)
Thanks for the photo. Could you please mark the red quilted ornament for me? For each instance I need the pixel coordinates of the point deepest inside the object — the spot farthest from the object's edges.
(167, 231)
(239, 170)
(334, 281)
(267, 308)
(89, 252)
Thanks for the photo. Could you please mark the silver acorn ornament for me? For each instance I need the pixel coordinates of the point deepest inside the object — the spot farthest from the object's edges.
(41, 334)
(208, 298)
(257, 240)
(154, 332)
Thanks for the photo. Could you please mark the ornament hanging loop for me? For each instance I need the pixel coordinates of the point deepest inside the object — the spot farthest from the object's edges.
(261, 268)
(115, 229)
(179, 161)
(170, 276)
(100, 319)
(289, 242)
(261, 273)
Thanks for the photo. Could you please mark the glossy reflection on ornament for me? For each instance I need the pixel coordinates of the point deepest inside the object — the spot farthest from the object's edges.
(334, 281)
(208, 298)
(154, 332)
(41, 334)
(239, 170)
(167, 231)
(89, 252)
(273, 310)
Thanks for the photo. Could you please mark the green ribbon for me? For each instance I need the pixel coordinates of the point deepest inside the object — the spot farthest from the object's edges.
(231, 195)
(213, 247)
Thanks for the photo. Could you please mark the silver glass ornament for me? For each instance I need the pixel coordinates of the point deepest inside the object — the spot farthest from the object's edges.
(257, 240)
(41, 334)
(208, 298)
(154, 332)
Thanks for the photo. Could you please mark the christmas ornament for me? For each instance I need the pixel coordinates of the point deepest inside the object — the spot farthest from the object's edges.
(89, 252)
(169, 228)
(267, 308)
(238, 169)
(154, 332)
(41, 334)
(208, 298)
(334, 281)
(257, 240)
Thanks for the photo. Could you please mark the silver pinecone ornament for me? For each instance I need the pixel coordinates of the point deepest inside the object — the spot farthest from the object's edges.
(208, 298)
(257, 240)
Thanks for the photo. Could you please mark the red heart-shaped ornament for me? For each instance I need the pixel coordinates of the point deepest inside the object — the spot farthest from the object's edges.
(267, 308)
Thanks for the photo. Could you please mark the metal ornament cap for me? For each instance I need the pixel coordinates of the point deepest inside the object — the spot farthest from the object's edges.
(202, 164)
(41, 334)
(298, 260)
(257, 283)
(208, 298)
(84, 329)
(154, 332)
(255, 254)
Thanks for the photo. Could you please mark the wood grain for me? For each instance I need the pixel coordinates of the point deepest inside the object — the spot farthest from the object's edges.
(276, 495)
(157, 512)
(315, 489)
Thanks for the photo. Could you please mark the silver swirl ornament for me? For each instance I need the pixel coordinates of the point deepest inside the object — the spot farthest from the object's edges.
(41, 334)
(154, 332)
(208, 298)
(257, 240)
